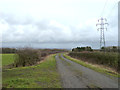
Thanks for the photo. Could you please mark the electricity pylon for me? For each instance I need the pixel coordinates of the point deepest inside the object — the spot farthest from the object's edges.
(102, 22)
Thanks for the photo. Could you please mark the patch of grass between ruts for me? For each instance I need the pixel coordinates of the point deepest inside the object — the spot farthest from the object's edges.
(102, 70)
(44, 75)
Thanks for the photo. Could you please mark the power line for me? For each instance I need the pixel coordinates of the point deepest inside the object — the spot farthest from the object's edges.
(109, 14)
(104, 7)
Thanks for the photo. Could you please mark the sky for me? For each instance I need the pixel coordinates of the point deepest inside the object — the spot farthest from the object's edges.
(57, 23)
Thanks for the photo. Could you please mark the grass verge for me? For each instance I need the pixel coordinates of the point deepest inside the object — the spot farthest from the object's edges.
(101, 70)
(7, 59)
(44, 75)
(108, 59)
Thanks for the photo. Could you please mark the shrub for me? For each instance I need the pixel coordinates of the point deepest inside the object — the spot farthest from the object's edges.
(27, 57)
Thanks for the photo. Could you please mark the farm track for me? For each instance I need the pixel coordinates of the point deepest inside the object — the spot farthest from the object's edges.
(74, 75)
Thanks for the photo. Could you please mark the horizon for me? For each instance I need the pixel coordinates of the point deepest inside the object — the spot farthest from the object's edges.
(47, 45)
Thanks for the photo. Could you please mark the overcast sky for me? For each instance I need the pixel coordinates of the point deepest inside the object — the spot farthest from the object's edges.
(57, 23)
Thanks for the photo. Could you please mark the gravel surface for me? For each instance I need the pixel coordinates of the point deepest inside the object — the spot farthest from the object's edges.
(74, 75)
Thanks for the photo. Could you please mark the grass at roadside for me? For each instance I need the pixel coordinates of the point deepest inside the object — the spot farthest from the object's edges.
(108, 59)
(102, 70)
(44, 75)
(7, 59)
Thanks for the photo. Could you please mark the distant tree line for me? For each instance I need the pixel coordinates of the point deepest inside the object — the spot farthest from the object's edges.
(8, 50)
(79, 49)
(88, 48)
(110, 49)
(47, 51)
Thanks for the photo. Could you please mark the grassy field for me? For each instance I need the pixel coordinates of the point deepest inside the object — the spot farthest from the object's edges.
(98, 69)
(7, 59)
(44, 75)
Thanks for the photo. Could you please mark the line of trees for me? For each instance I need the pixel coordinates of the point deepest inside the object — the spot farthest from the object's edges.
(47, 51)
(88, 48)
(79, 49)
(110, 49)
(8, 50)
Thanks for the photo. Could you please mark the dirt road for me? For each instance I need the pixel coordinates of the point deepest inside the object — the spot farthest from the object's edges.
(74, 75)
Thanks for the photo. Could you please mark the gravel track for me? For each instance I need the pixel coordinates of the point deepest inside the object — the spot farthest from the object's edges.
(74, 75)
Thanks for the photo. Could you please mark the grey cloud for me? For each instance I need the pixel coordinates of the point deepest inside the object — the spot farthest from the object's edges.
(42, 31)
(15, 20)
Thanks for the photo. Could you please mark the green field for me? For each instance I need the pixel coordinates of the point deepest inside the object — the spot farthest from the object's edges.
(44, 75)
(7, 59)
